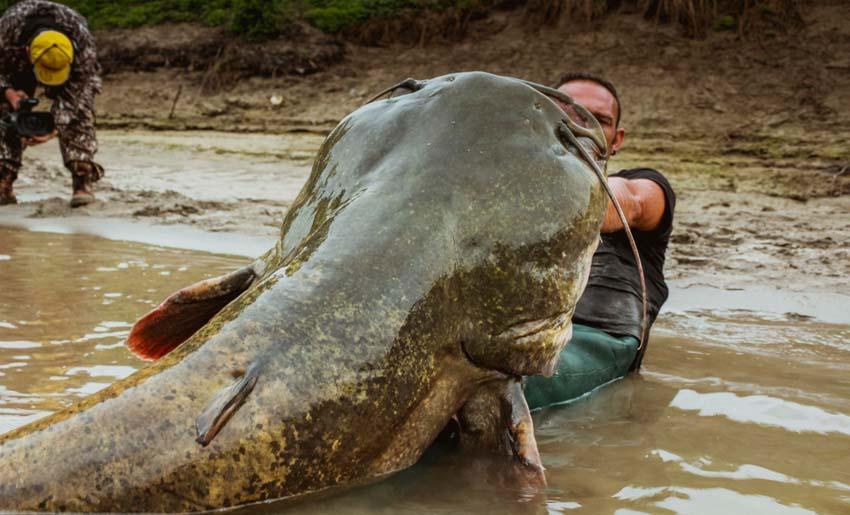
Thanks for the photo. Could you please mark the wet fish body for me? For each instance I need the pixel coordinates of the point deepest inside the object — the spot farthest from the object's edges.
(432, 258)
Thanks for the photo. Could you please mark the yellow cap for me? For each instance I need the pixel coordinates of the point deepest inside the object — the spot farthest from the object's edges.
(51, 54)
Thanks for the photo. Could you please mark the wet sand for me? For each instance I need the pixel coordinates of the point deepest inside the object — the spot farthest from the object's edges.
(736, 223)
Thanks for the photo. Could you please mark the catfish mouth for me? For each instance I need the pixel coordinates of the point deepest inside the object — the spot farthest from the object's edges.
(524, 332)
(531, 347)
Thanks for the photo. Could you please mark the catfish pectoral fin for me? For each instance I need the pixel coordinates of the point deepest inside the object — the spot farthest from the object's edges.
(179, 316)
(521, 429)
(224, 405)
(497, 418)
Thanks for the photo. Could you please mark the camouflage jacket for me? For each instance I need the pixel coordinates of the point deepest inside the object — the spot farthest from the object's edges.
(18, 26)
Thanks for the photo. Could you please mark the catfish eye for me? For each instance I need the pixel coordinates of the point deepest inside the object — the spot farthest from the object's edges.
(400, 91)
(402, 88)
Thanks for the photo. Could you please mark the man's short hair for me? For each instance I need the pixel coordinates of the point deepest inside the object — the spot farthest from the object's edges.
(592, 77)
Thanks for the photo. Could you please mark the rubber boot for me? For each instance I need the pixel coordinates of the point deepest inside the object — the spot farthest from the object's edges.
(82, 176)
(7, 178)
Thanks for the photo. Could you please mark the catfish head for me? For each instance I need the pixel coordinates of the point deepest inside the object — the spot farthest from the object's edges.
(522, 179)
(526, 206)
(470, 200)
(476, 189)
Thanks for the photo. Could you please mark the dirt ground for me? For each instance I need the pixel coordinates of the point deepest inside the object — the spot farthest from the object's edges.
(753, 135)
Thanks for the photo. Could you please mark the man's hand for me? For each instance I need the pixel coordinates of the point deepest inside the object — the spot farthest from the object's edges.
(14, 97)
(38, 140)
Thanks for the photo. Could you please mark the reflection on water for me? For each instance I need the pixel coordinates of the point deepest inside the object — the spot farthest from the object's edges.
(709, 500)
(66, 304)
(736, 411)
(760, 409)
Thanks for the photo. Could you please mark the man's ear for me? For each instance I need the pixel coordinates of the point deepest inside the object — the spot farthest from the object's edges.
(619, 135)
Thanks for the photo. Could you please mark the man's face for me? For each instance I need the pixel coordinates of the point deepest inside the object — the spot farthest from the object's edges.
(602, 104)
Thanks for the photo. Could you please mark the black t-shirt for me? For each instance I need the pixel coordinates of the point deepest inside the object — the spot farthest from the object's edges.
(612, 300)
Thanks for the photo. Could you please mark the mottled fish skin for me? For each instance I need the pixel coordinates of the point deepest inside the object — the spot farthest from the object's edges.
(432, 224)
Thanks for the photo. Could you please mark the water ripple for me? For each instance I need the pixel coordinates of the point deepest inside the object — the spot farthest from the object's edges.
(696, 501)
(19, 344)
(116, 371)
(761, 409)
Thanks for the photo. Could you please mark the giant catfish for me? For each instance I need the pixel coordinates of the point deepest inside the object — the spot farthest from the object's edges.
(433, 257)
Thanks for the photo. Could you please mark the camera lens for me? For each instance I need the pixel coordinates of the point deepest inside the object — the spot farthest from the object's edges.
(35, 124)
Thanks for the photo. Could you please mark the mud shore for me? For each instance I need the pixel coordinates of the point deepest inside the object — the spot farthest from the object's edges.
(228, 193)
(752, 134)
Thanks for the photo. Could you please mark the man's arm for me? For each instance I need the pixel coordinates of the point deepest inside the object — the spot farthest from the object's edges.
(643, 203)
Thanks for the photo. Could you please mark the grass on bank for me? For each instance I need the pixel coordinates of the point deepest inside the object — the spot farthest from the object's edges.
(265, 19)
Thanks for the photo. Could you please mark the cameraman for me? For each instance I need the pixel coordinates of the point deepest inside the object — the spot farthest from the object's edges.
(49, 45)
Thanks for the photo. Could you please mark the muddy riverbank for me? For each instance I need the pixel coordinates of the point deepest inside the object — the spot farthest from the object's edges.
(732, 228)
(752, 133)
(717, 87)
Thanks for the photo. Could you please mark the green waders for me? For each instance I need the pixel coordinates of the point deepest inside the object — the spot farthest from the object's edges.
(591, 359)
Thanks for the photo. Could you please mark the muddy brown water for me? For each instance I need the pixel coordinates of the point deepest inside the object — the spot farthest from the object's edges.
(66, 304)
(743, 405)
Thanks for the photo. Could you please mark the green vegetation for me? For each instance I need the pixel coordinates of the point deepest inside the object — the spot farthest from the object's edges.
(337, 15)
(264, 19)
(135, 13)
(696, 17)
(256, 19)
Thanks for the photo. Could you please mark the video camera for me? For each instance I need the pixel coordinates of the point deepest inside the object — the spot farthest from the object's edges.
(28, 123)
